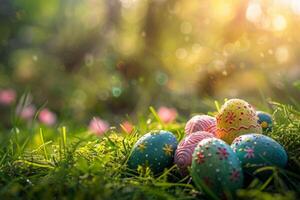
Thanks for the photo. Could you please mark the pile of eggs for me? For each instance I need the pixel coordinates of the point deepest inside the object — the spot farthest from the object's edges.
(216, 151)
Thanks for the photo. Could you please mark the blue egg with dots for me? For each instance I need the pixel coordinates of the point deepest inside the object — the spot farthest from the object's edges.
(257, 150)
(155, 150)
(265, 121)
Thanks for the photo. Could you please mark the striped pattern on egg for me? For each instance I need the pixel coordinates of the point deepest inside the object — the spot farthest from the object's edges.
(201, 123)
(185, 149)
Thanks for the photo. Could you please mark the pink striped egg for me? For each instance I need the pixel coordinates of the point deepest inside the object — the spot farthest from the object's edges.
(201, 123)
(185, 149)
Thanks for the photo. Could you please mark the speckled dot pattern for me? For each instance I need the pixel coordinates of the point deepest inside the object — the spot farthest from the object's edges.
(155, 149)
(216, 165)
(265, 121)
(201, 123)
(185, 149)
(256, 150)
(236, 117)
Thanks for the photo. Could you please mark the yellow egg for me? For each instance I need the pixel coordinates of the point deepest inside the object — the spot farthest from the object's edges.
(236, 117)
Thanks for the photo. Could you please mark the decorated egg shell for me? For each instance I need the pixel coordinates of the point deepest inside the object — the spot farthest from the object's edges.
(265, 121)
(201, 123)
(216, 166)
(155, 149)
(256, 150)
(185, 149)
(236, 117)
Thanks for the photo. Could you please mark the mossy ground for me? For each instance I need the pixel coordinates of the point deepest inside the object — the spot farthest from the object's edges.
(68, 163)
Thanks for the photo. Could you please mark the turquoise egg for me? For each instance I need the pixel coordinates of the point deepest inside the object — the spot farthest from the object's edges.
(216, 168)
(256, 150)
(155, 149)
(265, 120)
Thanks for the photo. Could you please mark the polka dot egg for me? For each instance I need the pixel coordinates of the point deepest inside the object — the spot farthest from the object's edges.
(201, 123)
(256, 150)
(216, 167)
(265, 121)
(236, 117)
(185, 149)
(155, 149)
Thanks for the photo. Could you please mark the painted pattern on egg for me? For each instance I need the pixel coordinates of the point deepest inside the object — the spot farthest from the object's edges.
(265, 121)
(155, 149)
(201, 123)
(185, 149)
(216, 165)
(256, 150)
(236, 117)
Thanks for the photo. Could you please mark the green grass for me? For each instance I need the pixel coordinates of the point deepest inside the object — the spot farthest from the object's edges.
(65, 163)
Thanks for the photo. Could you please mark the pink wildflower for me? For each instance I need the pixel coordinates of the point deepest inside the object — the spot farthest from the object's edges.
(167, 115)
(7, 96)
(127, 126)
(27, 112)
(98, 126)
(47, 117)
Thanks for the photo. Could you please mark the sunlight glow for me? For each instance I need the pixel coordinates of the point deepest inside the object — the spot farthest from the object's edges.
(279, 23)
(254, 12)
(282, 54)
(295, 4)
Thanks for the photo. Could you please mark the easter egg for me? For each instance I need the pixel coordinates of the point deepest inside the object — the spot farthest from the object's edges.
(265, 121)
(155, 149)
(256, 150)
(201, 123)
(236, 117)
(216, 167)
(185, 149)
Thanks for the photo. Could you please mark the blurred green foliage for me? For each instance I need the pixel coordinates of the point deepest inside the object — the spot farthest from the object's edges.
(116, 57)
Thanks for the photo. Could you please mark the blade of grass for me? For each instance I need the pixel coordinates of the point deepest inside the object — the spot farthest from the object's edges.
(152, 110)
(43, 143)
(267, 182)
(217, 106)
(34, 164)
(64, 139)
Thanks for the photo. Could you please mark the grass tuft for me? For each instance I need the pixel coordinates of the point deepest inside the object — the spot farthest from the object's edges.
(76, 165)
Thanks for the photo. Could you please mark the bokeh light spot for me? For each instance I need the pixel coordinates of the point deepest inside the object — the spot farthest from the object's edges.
(161, 78)
(89, 59)
(282, 54)
(181, 53)
(116, 91)
(186, 28)
(279, 23)
(295, 4)
(254, 12)
(34, 57)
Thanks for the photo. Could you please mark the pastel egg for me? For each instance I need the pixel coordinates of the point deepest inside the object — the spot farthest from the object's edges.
(201, 123)
(216, 167)
(185, 149)
(265, 121)
(256, 150)
(155, 149)
(236, 117)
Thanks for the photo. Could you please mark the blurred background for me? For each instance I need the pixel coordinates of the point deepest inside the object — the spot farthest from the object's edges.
(114, 58)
